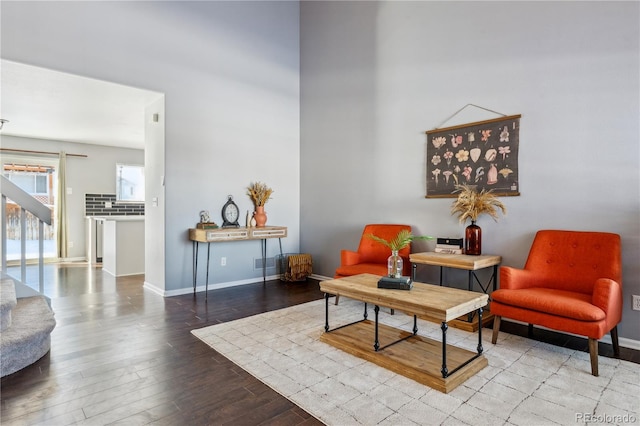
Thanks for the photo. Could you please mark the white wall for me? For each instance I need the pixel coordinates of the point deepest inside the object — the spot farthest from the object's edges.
(94, 174)
(376, 75)
(230, 75)
(154, 158)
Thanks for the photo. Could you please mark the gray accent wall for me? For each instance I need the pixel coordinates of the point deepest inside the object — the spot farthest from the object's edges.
(376, 75)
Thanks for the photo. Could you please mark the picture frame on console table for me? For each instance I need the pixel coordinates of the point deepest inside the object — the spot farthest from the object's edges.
(483, 154)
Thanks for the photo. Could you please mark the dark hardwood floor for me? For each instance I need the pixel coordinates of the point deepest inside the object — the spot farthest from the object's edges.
(121, 354)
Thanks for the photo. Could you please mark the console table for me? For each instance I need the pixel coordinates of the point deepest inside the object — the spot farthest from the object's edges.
(465, 262)
(221, 235)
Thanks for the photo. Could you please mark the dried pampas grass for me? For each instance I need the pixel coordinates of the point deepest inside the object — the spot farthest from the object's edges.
(259, 193)
(471, 204)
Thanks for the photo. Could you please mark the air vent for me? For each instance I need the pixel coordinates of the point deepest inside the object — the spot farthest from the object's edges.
(270, 262)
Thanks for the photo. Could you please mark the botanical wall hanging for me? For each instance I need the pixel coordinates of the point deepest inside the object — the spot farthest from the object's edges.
(483, 154)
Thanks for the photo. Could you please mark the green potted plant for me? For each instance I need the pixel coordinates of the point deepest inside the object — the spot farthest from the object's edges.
(400, 241)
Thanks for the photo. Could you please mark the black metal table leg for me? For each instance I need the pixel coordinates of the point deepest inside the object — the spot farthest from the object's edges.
(365, 310)
(206, 284)
(495, 277)
(480, 348)
(444, 371)
(413, 271)
(376, 343)
(326, 312)
(415, 325)
(470, 314)
(195, 265)
(264, 260)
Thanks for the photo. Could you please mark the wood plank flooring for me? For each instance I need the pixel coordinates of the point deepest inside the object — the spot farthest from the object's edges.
(121, 354)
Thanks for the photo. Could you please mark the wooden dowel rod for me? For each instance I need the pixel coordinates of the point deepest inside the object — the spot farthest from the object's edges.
(26, 151)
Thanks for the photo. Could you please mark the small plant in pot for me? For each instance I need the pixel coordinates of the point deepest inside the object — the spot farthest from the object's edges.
(403, 239)
(471, 204)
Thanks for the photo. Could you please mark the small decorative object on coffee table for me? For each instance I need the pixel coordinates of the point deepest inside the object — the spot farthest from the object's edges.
(403, 239)
(402, 283)
(470, 204)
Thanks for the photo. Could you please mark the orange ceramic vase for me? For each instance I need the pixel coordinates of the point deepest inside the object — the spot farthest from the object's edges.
(260, 216)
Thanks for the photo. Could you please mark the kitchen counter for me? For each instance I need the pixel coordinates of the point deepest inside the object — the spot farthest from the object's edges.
(117, 218)
(121, 244)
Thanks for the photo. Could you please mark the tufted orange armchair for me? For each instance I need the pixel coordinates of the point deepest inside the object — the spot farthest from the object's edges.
(372, 256)
(571, 282)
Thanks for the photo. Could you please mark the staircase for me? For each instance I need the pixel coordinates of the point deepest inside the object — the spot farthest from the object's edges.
(26, 318)
(25, 328)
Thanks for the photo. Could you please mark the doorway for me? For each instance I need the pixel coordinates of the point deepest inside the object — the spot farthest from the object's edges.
(38, 177)
(112, 116)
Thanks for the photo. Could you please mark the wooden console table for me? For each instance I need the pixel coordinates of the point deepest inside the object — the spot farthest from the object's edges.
(430, 362)
(221, 235)
(465, 262)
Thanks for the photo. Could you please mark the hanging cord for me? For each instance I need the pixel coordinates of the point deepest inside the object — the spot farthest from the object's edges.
(460, 110)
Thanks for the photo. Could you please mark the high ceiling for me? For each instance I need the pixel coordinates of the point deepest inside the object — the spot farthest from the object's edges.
(51, 105)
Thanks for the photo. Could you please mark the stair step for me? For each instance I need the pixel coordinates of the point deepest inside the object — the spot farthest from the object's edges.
(7, 302)
(29, 337)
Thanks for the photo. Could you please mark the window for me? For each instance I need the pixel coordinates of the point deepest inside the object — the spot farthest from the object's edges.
(40, 181)
(129, 183)
(33, 182)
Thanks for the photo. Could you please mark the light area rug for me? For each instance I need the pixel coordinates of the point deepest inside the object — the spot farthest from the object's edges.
(526, 383)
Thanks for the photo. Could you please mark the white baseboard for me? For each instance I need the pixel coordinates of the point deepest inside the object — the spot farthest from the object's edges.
(72, 259)
(148, 286)
(622, 341)
(201, 288)
(122, 275)
(320, 277)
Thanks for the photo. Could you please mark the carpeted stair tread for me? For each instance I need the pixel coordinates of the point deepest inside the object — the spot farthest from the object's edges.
(7, 302)
(29, 337)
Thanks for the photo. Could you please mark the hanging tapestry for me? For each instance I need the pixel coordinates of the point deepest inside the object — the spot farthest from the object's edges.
(483, 154)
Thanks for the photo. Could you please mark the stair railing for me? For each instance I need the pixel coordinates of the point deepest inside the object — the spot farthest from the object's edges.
(27, 203)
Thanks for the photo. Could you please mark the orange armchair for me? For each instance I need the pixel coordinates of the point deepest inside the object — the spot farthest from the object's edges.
(571, 282)
(372, 256)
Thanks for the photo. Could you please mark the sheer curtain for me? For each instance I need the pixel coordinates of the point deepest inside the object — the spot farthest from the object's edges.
(61, 215)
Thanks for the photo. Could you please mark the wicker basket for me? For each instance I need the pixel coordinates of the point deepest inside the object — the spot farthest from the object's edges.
(294, 266)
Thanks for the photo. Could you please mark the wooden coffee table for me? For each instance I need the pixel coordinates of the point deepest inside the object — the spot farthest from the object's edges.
(431, 362)
(472, 264)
